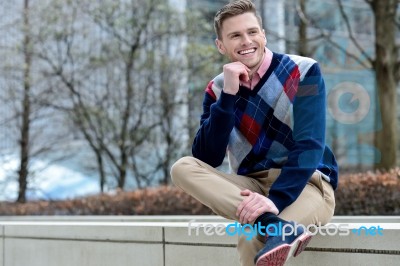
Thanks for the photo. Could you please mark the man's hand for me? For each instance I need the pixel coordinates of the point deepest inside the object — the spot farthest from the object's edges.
(233, 73)
(253, 206)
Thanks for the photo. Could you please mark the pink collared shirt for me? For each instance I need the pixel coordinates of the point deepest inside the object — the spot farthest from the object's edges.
(260, 71)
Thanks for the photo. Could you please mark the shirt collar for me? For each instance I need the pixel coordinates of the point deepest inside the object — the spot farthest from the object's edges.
(265, 64)
(262, 69)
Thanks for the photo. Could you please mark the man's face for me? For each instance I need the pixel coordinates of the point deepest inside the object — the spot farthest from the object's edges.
(242, 40)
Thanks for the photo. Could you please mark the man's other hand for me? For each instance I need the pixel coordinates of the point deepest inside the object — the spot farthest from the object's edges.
(254, 205)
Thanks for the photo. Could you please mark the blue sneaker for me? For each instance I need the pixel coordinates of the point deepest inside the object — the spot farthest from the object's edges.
(276, 250)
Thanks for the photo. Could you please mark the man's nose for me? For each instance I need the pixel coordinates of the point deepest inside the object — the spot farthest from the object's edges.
(246, 40)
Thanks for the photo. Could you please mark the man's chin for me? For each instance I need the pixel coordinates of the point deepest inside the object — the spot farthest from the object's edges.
(245, 62)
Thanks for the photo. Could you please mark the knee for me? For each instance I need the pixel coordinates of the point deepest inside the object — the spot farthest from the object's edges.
(180, 169)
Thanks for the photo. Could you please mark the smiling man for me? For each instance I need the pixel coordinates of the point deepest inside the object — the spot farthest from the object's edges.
(267, 112)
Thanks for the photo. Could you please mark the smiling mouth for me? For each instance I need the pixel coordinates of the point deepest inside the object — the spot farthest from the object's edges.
(248, 51)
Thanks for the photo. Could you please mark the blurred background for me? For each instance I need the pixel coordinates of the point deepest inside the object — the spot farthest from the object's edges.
(104, 96)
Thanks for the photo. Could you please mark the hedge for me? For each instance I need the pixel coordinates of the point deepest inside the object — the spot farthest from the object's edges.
(369, 193)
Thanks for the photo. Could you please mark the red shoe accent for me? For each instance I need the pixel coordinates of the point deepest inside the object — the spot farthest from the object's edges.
(302, 243)
(275, 257)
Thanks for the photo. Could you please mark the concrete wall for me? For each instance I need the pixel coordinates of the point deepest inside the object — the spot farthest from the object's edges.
(165, 241)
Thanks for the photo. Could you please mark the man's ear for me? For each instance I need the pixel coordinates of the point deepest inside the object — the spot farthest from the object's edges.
(220, 46)
(265, 37)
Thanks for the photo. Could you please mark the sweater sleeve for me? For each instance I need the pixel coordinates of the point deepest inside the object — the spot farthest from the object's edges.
(216, 124)
(309, 140)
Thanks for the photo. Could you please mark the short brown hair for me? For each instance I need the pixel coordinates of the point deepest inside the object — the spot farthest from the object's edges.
(232, 9)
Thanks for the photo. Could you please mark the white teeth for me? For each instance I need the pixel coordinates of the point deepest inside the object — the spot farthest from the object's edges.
(247, 51)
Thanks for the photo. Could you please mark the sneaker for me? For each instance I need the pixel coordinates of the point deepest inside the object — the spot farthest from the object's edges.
(276, 251)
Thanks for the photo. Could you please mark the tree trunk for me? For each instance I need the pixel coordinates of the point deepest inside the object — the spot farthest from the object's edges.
(122, 170)
(302, 44)
(385, 69)
(101, 171)
(25, 126)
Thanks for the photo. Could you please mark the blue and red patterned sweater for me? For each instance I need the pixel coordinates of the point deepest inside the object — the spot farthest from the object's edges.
(278, 124)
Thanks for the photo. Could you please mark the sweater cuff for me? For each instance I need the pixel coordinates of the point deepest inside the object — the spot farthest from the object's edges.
(227, 101)
(280, 205)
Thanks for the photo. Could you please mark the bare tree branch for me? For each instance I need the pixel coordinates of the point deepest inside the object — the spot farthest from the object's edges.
(350, 31)
(351, 55)
(283, 38)
(301, 14)
(81, 117)
(369, 2)
(328, 38)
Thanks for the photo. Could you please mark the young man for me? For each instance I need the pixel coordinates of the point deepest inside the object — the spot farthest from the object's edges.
(267, 112)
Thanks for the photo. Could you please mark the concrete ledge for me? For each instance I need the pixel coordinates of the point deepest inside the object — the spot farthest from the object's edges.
(165, 241)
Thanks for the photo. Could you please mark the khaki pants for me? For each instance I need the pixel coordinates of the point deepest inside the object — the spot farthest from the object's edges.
(221, 193)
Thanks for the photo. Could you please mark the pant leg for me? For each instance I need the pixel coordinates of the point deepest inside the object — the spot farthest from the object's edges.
(217, 190)
(315, 205)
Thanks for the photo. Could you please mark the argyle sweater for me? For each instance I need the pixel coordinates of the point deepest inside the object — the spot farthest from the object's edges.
(278, 124)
